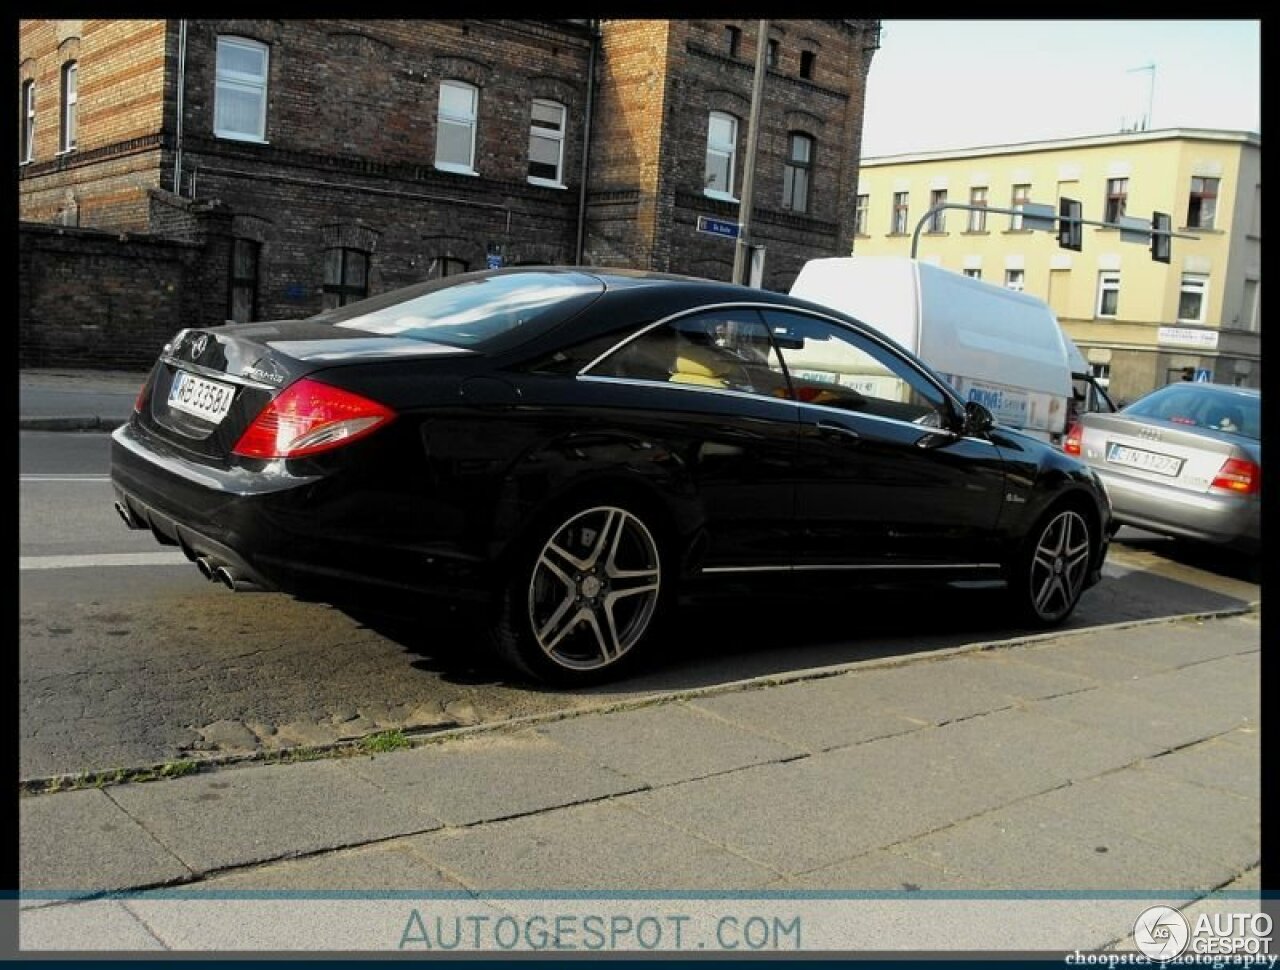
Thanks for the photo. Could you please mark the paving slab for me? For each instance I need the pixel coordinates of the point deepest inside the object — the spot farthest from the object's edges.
(815, 715)
(1178, 818)
(244, 815)
(490, 777)
(1122, 712)
(95, 925)
(666, 743)
(1212, 683)
(1215, 764)
(603, 845)
(1242, 895)
(83, 840)
(882, 869)
(1102, 663)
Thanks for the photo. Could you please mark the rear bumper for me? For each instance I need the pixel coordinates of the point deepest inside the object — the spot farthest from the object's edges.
(281, 531)
(1206, 517)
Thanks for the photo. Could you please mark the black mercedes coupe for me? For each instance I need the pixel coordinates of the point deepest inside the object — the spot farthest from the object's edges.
(564, 448)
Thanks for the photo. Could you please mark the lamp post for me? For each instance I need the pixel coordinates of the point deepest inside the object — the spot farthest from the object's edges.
(741, 250)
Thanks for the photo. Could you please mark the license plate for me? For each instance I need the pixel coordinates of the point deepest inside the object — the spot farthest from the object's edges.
(206, 399)
(1148, 461)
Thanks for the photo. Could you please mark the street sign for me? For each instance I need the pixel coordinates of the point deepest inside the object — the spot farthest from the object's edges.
(1038, 215)
(1203, 375)
(493, 260)
(718, 227)
(1134, 230)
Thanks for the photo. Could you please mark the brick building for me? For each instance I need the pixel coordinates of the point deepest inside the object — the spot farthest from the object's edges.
(333, 159)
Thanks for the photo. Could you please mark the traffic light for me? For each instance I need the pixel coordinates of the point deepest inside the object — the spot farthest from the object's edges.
(1161, 241)
(1070, 226)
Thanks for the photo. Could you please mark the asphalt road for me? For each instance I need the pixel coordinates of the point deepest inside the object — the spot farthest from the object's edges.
(128, 657)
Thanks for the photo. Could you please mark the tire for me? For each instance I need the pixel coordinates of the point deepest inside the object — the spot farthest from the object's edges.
(1050, 571)
(583, 594)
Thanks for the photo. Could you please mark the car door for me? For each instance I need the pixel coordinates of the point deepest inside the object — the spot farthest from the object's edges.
(885, 478)
(710, 386)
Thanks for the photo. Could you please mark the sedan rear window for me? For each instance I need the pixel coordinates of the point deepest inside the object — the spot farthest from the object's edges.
(479, 311)
(1203, 407)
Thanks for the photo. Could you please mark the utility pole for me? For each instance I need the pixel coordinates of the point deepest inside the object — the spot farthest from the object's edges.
(741, 252)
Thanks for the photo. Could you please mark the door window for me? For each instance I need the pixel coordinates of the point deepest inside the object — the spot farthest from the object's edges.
(835, 367)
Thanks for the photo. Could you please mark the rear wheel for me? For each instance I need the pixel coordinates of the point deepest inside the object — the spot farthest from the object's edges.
(1050, 573)
(582, 595)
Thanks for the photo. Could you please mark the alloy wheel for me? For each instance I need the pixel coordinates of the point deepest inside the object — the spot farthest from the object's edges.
(594, 588)
(1059, 565)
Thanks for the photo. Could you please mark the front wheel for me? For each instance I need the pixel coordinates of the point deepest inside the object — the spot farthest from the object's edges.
(582, 596)
(1050, 573)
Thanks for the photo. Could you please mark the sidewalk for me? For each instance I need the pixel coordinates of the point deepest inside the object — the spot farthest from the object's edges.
(1036, 795)
(52, 399)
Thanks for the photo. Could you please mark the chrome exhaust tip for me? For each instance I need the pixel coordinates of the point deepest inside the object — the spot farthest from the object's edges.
(231, 579)
(223, 575)
(206, 567)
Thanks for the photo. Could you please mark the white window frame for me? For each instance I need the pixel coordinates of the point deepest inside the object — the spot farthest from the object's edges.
(1017, 200)
(29, 121)
(1108, 282)
(244, 83)
(722, 150)
(978, 216)
(937, 221)
(1015, 279)
(973, 272)
(861, 211)
(900, 214)
(442, 116)
(1194, 283)
(797, 174)
(548, 134)
(69, 111)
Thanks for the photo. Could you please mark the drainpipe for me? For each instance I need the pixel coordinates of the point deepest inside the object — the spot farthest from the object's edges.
(586, 144)
(182, 77)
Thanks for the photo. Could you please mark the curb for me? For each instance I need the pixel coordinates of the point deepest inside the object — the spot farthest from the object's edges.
(43, 787)
(70, 424)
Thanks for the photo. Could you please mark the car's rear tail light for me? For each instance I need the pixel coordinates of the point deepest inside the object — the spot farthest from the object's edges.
(1071, 445)
(144, 392)
(309, 417)
(1239, 476)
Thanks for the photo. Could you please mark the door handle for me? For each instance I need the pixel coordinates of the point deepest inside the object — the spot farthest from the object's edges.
(830, 429)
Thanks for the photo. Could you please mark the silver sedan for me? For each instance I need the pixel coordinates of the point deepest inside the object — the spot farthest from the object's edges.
(1184, 460)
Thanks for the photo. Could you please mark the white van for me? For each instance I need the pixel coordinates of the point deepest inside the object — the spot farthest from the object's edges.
(999, 347)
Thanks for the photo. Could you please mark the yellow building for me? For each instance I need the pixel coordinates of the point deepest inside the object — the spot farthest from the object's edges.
(1139, 322)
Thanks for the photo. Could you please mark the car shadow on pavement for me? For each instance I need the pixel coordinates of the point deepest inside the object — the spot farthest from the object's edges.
(754, 631)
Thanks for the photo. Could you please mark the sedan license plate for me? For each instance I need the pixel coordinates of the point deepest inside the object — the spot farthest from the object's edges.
(206, 399)
(1148, 461)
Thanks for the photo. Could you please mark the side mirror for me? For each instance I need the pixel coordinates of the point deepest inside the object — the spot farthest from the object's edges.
(977, 419)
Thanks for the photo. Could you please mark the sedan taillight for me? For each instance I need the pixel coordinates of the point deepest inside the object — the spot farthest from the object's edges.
(309, 417)
(1239, 476)
(1071, 444)
(144, 392)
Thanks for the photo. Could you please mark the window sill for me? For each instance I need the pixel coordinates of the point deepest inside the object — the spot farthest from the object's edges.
(1210, 230)
(546, 183)
(456, 169)
(64, 151)
(1017, 232)
(235, 136)
(719, 196)
(935, 232)
(976, 232)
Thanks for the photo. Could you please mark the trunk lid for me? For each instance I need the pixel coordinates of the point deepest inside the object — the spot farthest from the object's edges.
(1156, 451)
(209, 384)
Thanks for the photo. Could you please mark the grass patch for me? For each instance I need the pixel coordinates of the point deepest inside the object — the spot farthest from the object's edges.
(384, 741)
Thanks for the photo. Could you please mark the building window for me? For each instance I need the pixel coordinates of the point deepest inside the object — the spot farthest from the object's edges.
(1108, 294)
(807, 59)
(1021, 196)
(456, 128)
(937, 221)
(1117, 192)
(67, 127)
(242, 304)
(1203, 204)
(240, 98)
(973, 274)
(1191, 298)
(796, 173)
(860, 215)
(771, 54)
(732, 38)
(722, 155)
(1249, 305)
(1015, 279)
(1101, 373)
(346, 276)
(546, 143)
(978, 217)
(28, 143)
(899, 222)
(446, 266)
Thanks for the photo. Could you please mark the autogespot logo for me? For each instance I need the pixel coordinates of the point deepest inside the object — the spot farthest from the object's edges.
(1161, 933)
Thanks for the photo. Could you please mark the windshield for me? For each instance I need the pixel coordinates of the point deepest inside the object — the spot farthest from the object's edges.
(1201, 406)
(482, 311)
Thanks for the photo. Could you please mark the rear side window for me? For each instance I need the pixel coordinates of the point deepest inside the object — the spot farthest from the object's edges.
(478, 311)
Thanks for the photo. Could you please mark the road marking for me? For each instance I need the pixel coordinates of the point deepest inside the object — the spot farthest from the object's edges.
(64, 478)
(103, 559)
